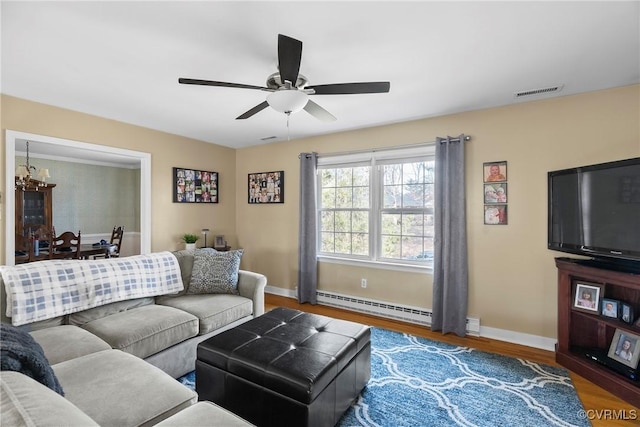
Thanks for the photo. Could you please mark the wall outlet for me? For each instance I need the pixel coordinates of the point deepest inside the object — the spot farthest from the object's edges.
(363, 282)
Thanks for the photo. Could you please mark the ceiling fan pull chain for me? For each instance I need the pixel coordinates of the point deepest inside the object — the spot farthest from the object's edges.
(288, 117)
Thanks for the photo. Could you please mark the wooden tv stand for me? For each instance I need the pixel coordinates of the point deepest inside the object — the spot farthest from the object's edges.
(578, 330)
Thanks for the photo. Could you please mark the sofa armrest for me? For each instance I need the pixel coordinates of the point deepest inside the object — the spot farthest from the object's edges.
(251, 285)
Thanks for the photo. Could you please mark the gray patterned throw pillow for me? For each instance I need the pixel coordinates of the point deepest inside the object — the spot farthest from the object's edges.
(215, 272)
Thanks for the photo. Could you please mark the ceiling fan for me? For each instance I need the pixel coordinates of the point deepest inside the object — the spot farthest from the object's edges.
(289, 92)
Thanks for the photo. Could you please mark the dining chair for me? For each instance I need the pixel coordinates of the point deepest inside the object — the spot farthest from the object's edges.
(23, 248)
(116, 241)
(66, 245)
(34, 244)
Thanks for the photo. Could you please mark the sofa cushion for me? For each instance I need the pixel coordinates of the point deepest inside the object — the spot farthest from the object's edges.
(213, 311)
(185, 261)
(215, 272)
(20, 352)
(118, 389)
(55, 343)
(145, 330)
(86, 316)
(204, 414)
(26, 402)
(49, 323)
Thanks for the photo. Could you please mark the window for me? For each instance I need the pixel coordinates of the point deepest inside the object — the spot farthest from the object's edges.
(377, 206)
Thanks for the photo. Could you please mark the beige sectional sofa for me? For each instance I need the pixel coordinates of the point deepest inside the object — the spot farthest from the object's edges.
(117, 362)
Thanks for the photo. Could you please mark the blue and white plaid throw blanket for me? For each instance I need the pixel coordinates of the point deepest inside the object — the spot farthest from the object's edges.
(46, 289)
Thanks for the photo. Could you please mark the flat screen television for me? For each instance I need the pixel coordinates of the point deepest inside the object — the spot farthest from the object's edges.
(595, 211)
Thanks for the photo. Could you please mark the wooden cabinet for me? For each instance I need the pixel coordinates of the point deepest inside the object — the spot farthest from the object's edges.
(34, 207)
(580, 332)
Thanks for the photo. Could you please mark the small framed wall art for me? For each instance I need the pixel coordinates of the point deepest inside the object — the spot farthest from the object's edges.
(195, 186)
(266, 187)
(495, 214)
(495, 171)
(495, 193)
(494, 177)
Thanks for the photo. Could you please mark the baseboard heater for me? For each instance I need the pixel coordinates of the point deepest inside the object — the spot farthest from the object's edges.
(400, 312)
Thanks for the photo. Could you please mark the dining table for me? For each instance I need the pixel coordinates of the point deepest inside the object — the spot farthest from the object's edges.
(89, 249)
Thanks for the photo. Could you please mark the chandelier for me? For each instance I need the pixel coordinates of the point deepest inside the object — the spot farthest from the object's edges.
(24, 177)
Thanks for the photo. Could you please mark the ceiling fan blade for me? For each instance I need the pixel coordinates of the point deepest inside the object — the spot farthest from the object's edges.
(222, 84)
(350, 88)
(289, 57)
(318, 112)
(253, 111)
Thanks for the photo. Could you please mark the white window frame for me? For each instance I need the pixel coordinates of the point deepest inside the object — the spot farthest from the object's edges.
(373, 158)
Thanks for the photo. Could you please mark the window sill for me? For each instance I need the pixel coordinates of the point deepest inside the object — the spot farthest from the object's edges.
(410, 268)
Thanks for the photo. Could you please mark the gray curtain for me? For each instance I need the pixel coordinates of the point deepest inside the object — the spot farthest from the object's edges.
(307, 245)
(450, 269)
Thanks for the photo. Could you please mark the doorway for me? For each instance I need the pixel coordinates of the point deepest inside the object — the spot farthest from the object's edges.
(49, 146)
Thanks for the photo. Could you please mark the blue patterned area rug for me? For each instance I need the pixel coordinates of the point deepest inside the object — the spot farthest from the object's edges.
(420, 382)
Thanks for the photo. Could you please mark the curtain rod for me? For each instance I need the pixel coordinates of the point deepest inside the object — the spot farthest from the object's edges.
(370, 150)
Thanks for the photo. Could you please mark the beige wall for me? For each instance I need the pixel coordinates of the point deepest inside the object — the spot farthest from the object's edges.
(168, 220)
(512, 273)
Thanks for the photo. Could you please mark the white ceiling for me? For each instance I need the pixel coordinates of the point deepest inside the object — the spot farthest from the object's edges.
(122, 60)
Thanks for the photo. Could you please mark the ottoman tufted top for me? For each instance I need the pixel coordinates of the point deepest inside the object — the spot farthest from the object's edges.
(288, 351)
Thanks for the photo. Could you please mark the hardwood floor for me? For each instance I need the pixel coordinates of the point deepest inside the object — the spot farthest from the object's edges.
(603, 408)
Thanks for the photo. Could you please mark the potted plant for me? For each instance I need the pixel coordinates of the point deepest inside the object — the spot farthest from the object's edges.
(189, 240)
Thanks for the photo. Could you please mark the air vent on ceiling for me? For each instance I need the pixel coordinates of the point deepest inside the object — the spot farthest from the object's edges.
(266, 138)
(541, 91)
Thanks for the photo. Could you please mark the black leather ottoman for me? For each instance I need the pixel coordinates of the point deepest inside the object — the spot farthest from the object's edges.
(286, 368)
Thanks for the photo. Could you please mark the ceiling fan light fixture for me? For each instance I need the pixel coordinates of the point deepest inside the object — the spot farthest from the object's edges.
(287, 100)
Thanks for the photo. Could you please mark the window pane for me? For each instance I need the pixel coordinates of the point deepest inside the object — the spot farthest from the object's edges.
(392, 174)
(327, 219)
(344, 177)
(360, 244)
(429, 172)
(361, 176)
(411, 247)
(361, 197)
(328, 177)
(390, 247)
(392, 196)
(412, 173)
(429, 230)
(344, 198)
(429, 195)
(428, 246)
(391, 224)
(412, 225)
(360, 222)
(413, 196)
(328, 198)
(343, 243)
(343, 221)
(326, 242)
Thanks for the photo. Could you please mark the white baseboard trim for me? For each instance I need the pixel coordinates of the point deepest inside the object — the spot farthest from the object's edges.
(513, 337)
(536, 341)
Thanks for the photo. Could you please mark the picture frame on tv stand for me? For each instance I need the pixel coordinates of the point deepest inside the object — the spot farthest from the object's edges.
(625, 348)
(610, 308)
(627, 314)
(587, 296)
